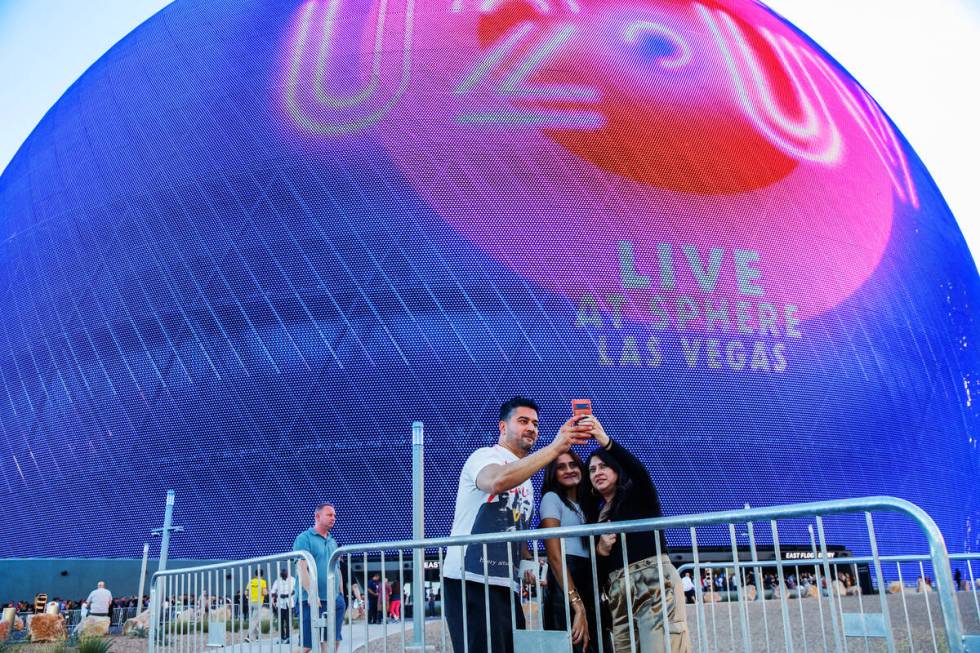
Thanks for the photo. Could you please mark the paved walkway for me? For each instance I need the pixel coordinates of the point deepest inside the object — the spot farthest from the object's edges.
(351, 640)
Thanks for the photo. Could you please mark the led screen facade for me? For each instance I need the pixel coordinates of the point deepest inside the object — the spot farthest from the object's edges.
(256, 240)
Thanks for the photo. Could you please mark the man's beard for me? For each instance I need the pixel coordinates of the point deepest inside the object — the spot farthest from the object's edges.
(521, 445)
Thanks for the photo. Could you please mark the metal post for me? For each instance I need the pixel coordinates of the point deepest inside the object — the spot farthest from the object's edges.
(156, 614)
(418, 533)
(139, 597)
(168, 516)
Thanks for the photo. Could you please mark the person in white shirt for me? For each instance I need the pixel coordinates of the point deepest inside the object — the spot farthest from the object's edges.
(495, 495)
(100, 601)
(688, 586)
(283, 592)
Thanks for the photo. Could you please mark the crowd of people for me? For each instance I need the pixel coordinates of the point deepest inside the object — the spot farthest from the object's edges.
(96, 604)
(728, 580)
(384, 600)
(99, 603)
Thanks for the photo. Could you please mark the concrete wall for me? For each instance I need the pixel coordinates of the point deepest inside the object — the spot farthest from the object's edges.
(74, 578)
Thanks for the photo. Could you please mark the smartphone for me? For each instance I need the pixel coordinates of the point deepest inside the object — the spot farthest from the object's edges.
(581, 407)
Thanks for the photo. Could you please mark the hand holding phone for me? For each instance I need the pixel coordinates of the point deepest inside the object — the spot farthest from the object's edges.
(572, 433)
(581, 407)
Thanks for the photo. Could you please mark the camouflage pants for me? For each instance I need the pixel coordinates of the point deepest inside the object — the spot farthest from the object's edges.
(648, 609)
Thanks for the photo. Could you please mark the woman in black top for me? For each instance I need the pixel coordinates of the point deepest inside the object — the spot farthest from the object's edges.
(626, 492)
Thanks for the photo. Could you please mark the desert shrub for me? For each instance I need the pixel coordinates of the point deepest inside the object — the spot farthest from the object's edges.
(94, 645)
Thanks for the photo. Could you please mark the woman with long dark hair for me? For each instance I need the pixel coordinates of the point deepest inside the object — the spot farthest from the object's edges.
(565, 485)
(625, 492)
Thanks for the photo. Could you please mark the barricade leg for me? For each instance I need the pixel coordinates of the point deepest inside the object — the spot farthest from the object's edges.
(384, 599)
(905, 606)
(925, 597)
(973, 588)
(838, 629)
(698, 595)
(367, 627)
(760, 586)
(401, 593)
(806, 646)
(595, 594)
(442, 601)
(885, 615)
(740, 584)
(817, 577)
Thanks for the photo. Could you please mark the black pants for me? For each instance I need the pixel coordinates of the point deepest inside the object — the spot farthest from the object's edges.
(285, 617)
(374, 617)
(580, 571)
(475, 610)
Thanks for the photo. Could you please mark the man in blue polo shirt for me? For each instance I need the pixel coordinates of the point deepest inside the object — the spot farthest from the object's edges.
(320, 544)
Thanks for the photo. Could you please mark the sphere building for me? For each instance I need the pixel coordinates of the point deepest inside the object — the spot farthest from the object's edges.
(255, 241)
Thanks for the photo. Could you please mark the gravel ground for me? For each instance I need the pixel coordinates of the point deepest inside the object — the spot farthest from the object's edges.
(119, 644)
(122, 644)
(723, 628)
(724, 631)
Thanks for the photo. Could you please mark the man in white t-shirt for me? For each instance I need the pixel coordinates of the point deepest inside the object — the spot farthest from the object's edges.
(100, 601)
(495, 495)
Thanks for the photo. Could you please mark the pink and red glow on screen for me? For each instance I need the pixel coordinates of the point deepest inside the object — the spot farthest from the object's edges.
(549, 133)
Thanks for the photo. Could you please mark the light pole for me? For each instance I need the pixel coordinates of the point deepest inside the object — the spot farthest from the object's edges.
(166, 529)
(418, 533)
(139, 597)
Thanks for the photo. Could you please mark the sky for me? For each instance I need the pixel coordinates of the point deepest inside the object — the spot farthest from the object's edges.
(918, 58)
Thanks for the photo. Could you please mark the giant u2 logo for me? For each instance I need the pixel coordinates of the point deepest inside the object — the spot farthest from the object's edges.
(349, 64)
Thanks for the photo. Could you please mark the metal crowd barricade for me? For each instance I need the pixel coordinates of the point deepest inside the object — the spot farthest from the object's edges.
(846, 599)
(829, 623)
(834, 586)
(970, 583)
(120, 615)
(208, 607)
(72, 618)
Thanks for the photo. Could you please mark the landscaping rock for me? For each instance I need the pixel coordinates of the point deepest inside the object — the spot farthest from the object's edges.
(140, 621)
(48, 628)
(94, 627)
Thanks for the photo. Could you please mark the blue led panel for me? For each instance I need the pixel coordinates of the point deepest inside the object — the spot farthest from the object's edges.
(256, 240)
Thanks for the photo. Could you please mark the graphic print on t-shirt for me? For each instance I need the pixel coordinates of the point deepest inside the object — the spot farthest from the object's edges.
(508, 511)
